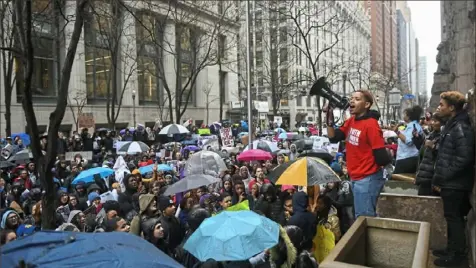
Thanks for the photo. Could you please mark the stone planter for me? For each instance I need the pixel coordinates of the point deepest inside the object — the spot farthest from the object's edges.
(381, 242)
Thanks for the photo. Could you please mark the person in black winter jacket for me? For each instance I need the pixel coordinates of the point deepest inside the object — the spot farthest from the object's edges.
(303, 219)
(125, 199)
(270, 205)
(342, 199)
(426, 169)
(454, 175)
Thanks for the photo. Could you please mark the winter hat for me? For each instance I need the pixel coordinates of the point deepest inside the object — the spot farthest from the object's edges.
(336, 167)
(164, 202)
(203, 198)
(93, 196)
(284, 188)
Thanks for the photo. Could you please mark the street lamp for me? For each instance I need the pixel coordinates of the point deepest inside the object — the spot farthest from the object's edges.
(134, 106)
(344, 79)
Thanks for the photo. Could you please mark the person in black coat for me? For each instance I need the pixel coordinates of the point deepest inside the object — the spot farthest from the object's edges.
(303, 219)
(270, 205)
(427, 165)
(454, 175)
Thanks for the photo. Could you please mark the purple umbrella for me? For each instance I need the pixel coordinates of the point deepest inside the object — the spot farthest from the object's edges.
(122, 132)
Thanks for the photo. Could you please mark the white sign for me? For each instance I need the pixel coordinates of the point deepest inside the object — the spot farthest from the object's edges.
(226, 137)
(278, 120)
(320, 142)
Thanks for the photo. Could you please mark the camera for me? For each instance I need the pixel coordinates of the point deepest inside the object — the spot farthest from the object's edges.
(322, 88)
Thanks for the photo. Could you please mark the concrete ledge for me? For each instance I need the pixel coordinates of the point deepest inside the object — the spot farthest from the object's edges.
(416, 208)
(400, 187)
(380, 242)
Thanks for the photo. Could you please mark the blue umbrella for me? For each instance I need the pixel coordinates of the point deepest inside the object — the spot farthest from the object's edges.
(283, 136)
(241, 134)
(149, 168)
(279, 130)
(93, 250)
(191, 148)
(88, 175)
(233, 236)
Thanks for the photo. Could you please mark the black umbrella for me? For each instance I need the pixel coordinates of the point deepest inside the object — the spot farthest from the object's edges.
(190, 182)
(319, 153)
(173, 129)
(6, 164)
(21, 156)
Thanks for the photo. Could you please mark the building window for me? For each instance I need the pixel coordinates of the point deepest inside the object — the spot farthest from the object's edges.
(299, 101)
(308, 101)
(45, 69)
(149, 34)
(283, 35)
(98, 31)
(284, 77)
(223, 86)
(259, 59)
(186, 59)
(260, 78)
(258, 19)
(222, 47)
(283, 55)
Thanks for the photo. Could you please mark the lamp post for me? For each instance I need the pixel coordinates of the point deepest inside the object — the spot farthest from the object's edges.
(248, 75)
(134, 106)
(344, 79)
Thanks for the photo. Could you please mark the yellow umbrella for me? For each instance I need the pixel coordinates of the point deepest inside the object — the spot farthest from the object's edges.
(305, 171)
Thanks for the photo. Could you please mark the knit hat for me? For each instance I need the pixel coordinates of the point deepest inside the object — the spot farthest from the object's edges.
(93, 196)
(284, 188)
(336, 167)
(164, 202)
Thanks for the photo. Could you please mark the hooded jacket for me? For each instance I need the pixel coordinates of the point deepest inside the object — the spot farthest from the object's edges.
(272, 210)
(125, 198)
(303, 218)
(141, 222)
(454, 164)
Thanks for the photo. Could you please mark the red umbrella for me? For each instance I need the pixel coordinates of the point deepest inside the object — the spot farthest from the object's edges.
(254, 155)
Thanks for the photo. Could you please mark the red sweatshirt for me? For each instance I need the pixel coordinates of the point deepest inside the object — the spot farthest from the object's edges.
(362, 137)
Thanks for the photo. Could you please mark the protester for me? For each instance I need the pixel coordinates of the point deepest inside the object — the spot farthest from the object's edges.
(454, 175)
(365, 151)
(407, 152)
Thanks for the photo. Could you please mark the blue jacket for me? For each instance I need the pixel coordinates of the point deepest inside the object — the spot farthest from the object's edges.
(303, 218)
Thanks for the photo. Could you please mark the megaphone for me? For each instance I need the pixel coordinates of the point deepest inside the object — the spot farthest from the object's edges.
(322, 88)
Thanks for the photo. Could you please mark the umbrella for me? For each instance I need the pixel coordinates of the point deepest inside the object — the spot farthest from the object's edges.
(279, 130)
(389, 134)
(21, 156)
(6, 164)
(191, 148)
(264, 145)
(304, 144)
(294, 136)
(254, 155)
(133, 147)
(122, 132)
(305, 171)
(149, 168)
(283, 136)
(205, 163)
(173, 129)
(88, 174)
(171, 145)
(94, 250)
(190, 142)
(241, 134)
(191, 182)
(319, 153)
(233, 236)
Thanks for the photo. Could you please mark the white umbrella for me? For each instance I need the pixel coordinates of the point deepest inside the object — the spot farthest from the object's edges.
(133, 147)
(173, 129)
(389, 134)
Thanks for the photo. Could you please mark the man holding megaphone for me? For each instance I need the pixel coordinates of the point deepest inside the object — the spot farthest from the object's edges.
(365, 149)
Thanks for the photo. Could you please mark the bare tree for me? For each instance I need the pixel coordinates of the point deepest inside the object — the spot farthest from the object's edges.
(311, 21)
(76, 105)
(193, 49)
(23, 23)
(109, 27)
(7, 32)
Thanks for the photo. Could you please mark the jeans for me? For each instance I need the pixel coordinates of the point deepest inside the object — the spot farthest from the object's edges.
(366, 193)
(456, 206)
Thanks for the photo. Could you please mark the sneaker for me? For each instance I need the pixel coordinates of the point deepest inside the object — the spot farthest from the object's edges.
(440, 253)
(453, 261)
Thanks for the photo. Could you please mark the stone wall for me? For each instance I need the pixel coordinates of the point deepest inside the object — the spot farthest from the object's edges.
(456, 68)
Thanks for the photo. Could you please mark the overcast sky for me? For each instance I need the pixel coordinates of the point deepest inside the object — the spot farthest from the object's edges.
(427, 25)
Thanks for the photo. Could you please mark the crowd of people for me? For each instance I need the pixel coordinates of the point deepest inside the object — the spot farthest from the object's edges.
(440, 152)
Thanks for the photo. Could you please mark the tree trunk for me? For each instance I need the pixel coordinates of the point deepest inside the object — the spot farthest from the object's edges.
(8, 109)
(45, 163)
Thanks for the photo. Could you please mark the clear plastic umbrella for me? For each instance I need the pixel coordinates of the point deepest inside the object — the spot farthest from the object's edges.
(205, 163)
